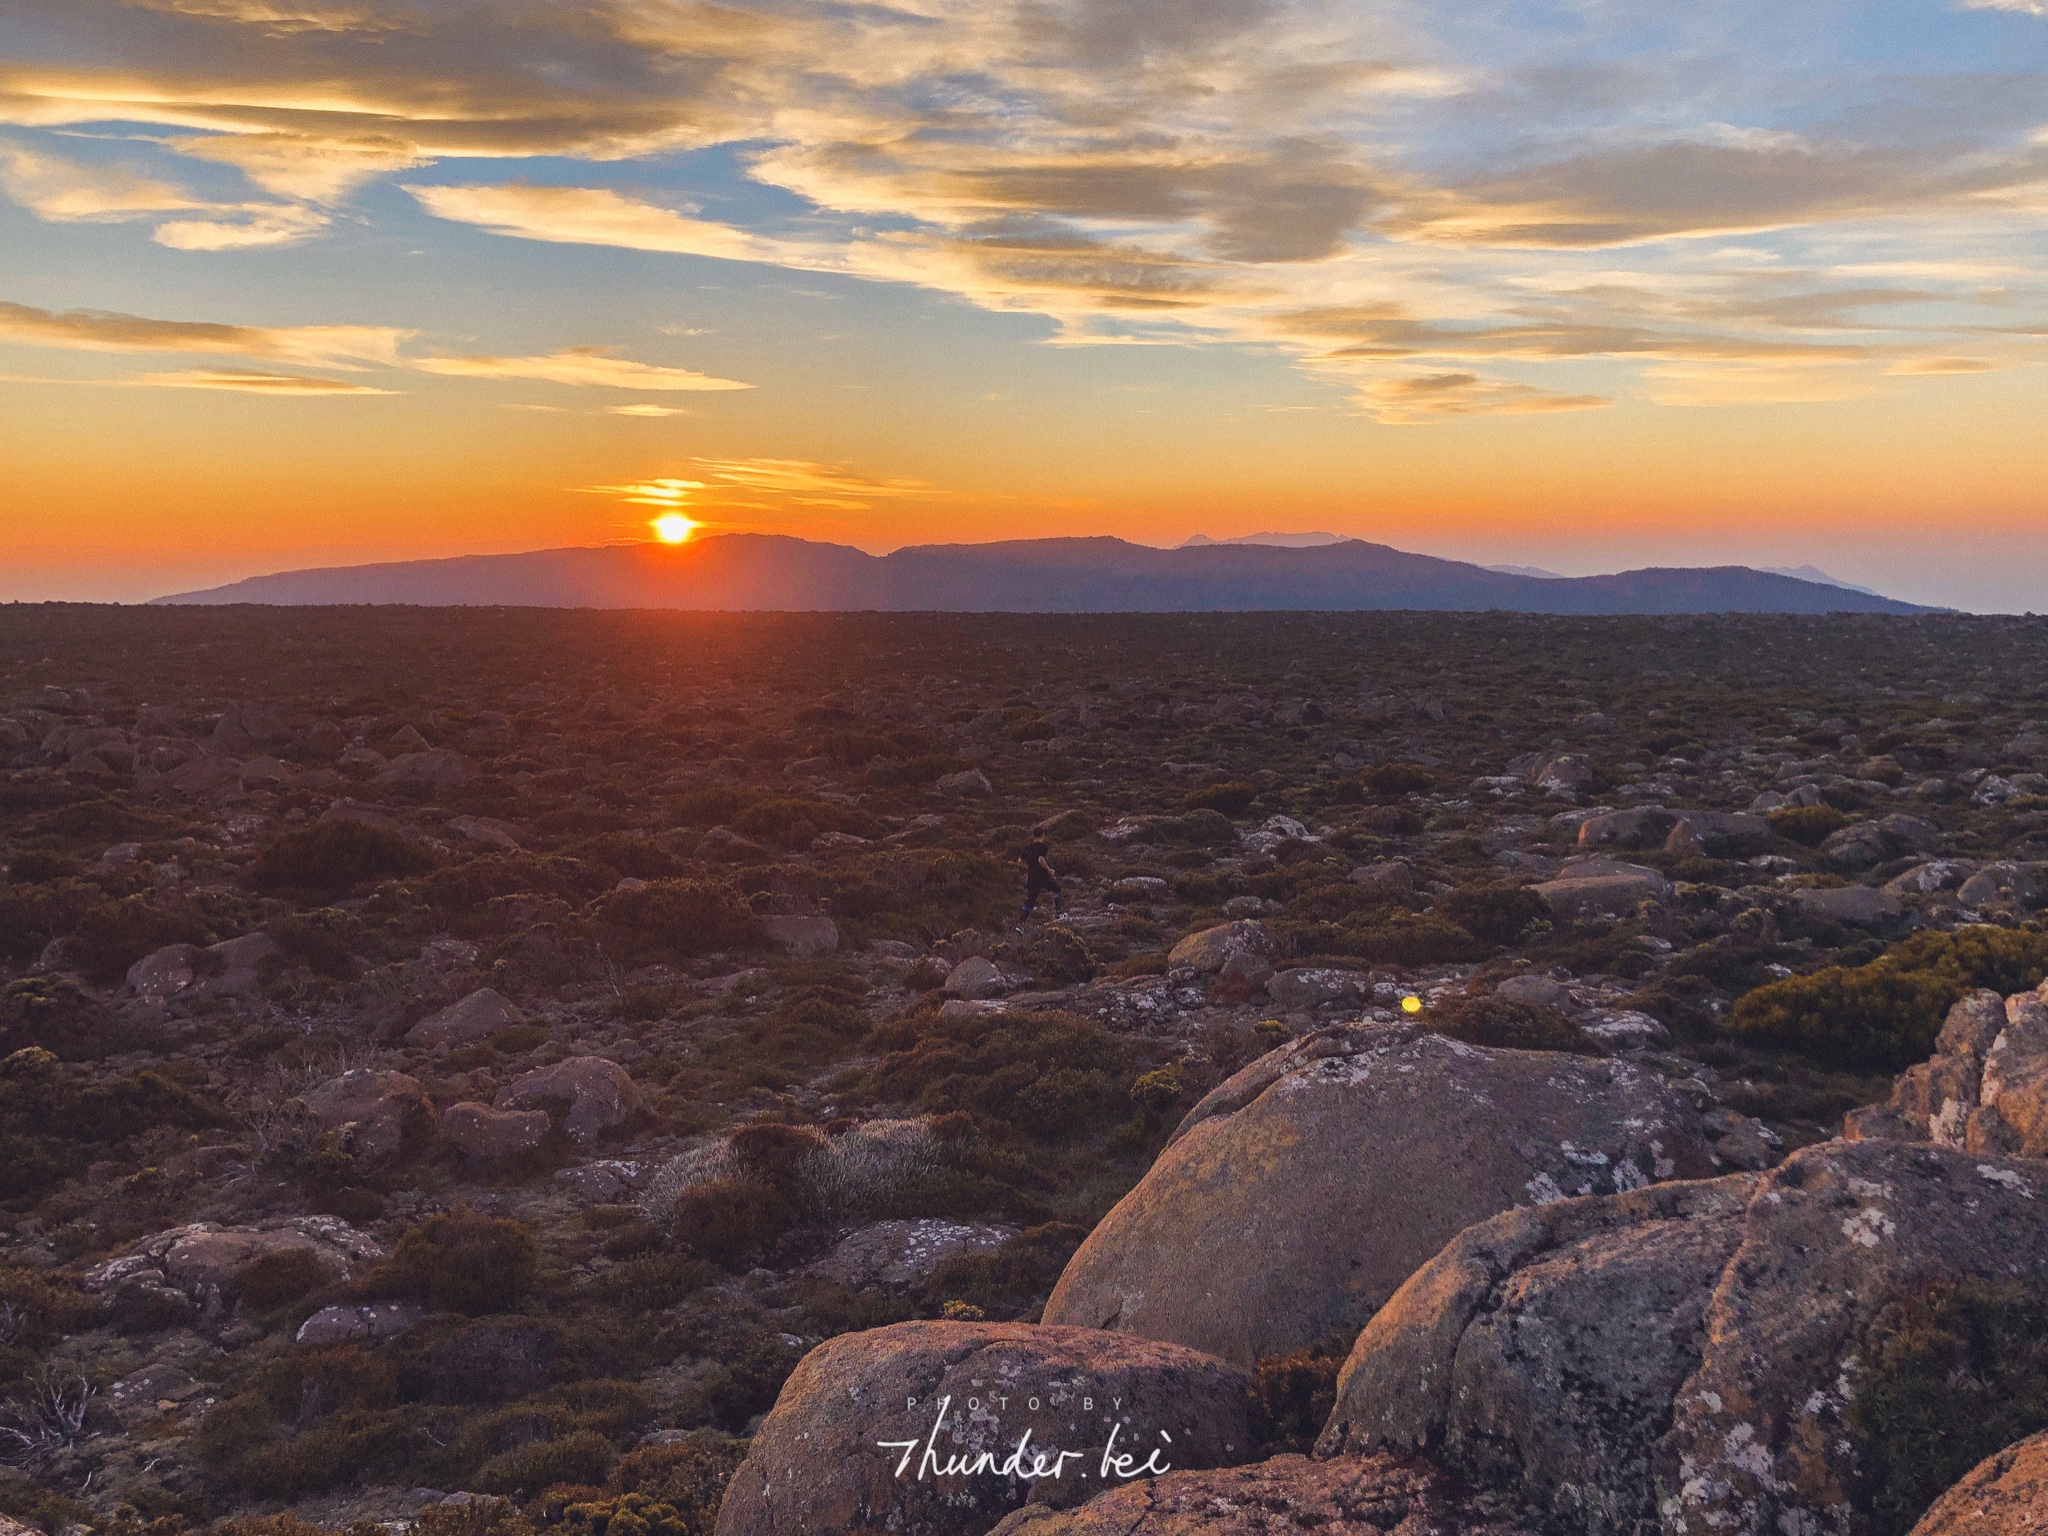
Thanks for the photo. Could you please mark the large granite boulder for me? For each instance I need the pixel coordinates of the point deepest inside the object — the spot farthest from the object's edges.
(589, 1093)
(476, 1017)
(1286, 1496)
(373, 1113)
(1299, 1195)
(1207, 952)
(1682, 1358)
(192, 1273)
(1985, 1089)
(916, 1428)
(2004, 1495)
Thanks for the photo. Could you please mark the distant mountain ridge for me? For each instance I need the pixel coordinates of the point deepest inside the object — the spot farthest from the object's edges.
(775, 573)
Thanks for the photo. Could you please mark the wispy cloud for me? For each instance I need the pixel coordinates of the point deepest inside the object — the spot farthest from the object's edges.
(1422, 399)
(254, 383)
(64, 191)
(578, 366)
(95, 330)
(1389, 194)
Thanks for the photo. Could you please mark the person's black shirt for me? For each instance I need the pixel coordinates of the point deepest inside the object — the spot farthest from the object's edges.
(1035, 867)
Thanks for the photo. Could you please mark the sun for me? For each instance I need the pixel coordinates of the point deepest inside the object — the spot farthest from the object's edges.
(673, 527)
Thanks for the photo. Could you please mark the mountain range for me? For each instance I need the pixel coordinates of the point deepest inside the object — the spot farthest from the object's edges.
(770, 572)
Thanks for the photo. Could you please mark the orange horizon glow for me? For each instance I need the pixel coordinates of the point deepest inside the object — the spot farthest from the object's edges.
(336, 290)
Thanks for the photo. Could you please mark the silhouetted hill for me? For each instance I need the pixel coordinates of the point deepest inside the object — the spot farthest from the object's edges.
(1097, 575)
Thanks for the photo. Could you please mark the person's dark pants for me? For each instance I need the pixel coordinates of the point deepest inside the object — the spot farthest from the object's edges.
(1037, 888)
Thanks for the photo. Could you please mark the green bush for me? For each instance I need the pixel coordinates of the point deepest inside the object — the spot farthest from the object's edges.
(461, 1261)
(709, 807)
(1397, 779)
(1955, 1373)
(583, 1456)
(55, 1123)
(54, 1013)
(477, 1517)
(688, 1478)
(473, 884)
(35, 866)
(281, 1276)
(1012, 1279)
(1808, 825)
(113, 935)
(1047, 1075)
(726, 1221)
(1884, 1016)
(1293, 1394)
(676, 919)
(1496, 913)
(331, 858)
(1502, 1024)
(792, 823)
(1232, 799)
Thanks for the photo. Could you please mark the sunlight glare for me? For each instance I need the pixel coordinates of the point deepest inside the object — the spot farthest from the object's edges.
(673, 527)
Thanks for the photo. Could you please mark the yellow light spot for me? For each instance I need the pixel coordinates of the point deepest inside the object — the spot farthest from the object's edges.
(673, 527)
(1411, 1005)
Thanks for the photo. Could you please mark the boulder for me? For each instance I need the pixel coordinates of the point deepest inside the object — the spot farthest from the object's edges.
(1860, 906)
(1284, 1496)
(369, 1324)
(1315, 1181)
(166, 972)
(434, 769)
(1306, 987)
(914, 1428)
(476, 1017)
(1933, 876)
(1646, 826)
(971, 785)
(975, 977)
(372, 1112)
(1673, 1358)
(191, 1271)
(2012, 886)
(1563, 775)
(2003, 1495)
(1546, 991)
(1392, 875)
(807, 938)
(1985, 1089)
(485, 1134)
(1718, 834)
(1207, 952)
(1865, 844)
(1574, 896)
(899, 1253)
(589, 1093)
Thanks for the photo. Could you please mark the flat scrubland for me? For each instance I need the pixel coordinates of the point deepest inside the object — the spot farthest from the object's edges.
(484, 1050)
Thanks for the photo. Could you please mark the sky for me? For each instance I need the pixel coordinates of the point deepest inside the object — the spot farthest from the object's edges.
(1581, 284)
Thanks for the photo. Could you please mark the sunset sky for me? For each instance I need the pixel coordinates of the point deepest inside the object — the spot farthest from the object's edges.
(1584, 284)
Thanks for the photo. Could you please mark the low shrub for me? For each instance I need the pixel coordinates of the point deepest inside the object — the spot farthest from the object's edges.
(1009, 1281)
(1293, 1394)
(1954, 1373)
(1232, 799)
(676, 919)
(1496, 913)
(54, 1013)
(1397, 779)
(1502, 1024)
(727, 1220)
(688, 1477)
(792, 823)
(331, 858)
(113, 935)
(582, 1456)
(1884, 1016)
(460, 1261)
(1048, 1076)
(1808, 825)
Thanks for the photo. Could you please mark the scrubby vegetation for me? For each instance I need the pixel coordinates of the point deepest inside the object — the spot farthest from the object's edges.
(1884, 1015)
(1953, 1374)
(767, 867)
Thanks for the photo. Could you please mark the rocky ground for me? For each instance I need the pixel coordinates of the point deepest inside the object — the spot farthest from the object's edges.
(455, 1066)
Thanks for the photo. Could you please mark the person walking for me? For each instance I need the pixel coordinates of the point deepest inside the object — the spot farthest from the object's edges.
(1039, 878)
